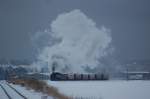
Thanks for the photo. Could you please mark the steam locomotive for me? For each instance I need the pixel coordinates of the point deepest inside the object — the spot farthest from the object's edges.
(56, 76)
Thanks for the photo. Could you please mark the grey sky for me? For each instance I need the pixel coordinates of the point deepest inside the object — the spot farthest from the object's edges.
(128, 20)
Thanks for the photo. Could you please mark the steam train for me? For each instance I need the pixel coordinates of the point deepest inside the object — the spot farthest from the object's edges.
(56, 76)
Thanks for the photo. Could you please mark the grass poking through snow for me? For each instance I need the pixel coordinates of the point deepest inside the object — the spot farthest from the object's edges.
(41, 86)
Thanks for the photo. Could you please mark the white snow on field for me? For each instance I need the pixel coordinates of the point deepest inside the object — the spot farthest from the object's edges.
(30, 94)
(104, 89)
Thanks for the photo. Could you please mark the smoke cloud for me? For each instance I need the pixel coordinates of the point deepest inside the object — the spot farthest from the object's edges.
(80, 42)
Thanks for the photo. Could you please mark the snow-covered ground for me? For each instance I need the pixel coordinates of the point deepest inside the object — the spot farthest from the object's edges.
(104, 89)
(30, 94)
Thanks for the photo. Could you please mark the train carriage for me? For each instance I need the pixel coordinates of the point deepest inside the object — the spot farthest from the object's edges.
(56, 76)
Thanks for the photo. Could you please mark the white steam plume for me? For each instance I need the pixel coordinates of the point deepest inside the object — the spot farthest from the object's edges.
(81, 42)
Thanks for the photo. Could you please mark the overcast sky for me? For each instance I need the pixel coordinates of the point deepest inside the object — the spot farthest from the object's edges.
(128, 20)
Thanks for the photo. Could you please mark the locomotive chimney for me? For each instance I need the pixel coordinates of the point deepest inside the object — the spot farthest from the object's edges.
(54, 65)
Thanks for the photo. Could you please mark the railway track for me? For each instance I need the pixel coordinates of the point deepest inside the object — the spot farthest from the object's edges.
(5, 92)
(11, 92)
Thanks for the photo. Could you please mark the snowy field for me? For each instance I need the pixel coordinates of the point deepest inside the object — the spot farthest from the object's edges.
(30, 94)
(104, 89)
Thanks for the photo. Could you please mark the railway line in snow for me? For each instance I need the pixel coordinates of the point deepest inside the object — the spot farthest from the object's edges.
(10, 92)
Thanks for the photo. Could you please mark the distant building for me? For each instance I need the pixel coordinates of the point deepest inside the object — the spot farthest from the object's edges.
(137, 70)
(137, 75)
